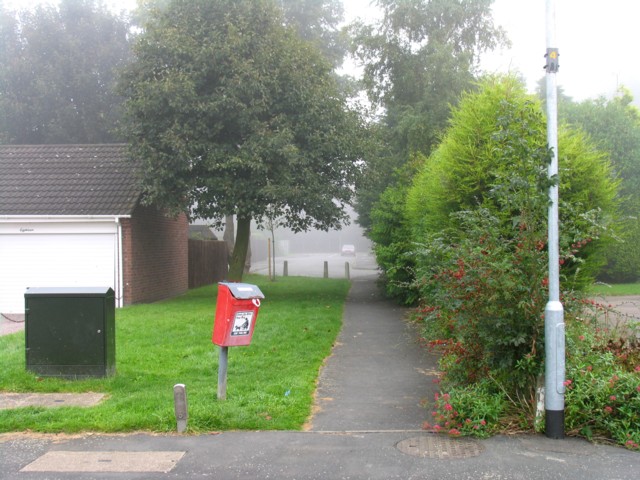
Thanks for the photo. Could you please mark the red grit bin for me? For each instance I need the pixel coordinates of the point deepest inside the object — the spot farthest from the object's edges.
(236, 313)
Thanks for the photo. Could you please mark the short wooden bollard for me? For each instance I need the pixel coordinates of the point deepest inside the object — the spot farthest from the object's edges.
(347, 274)
(285, 269)
(326, 269)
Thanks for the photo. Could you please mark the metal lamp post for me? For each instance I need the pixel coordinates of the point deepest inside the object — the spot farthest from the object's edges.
(554, 312)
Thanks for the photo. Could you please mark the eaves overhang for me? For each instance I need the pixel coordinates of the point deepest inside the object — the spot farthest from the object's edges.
(61, 218)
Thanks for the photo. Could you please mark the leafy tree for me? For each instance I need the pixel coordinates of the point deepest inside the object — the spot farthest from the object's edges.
(318, 22)
(232, 113)
(541, 89)
(58, 73)
(421, 46)
(417, 60)
(615, 126)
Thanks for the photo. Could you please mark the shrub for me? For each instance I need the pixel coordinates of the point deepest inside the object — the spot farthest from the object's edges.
(478, 212)
(602, 385)
(602, 399)
(474, 410)
(494, 156)
(392, 245)
(485, 295)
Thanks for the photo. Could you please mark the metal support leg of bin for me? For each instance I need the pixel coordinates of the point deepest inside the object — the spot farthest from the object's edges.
(222, 373)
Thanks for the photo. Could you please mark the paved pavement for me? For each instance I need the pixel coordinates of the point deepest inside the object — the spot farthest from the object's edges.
(11, 323)
(623, 312)
(366, 425)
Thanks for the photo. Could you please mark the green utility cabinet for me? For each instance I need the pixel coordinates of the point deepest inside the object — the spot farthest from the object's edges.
(70, 332)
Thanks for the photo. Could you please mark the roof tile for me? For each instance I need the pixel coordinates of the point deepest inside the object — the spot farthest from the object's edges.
(67, 180)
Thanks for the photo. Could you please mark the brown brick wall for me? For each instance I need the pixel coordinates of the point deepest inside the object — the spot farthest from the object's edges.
(155, 256)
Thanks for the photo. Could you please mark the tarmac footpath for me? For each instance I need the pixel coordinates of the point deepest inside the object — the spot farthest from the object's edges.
(366, 425)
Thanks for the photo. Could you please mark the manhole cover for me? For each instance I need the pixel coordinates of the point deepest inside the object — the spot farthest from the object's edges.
(437, 446)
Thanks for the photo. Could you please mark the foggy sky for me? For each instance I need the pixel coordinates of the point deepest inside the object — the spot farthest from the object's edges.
(597, 41)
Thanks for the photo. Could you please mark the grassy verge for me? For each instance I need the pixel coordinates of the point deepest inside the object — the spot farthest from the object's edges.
(270, 383)
(613, 290)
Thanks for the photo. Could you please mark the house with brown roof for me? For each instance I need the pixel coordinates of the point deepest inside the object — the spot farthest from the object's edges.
(70, 216)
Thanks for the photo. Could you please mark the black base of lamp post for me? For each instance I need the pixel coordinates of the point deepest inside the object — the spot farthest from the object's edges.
(554, 424)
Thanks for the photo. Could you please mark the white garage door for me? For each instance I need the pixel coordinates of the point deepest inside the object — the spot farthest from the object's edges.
(39, 258)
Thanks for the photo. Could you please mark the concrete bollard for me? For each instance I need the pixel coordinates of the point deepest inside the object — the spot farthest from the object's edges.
(180, 405)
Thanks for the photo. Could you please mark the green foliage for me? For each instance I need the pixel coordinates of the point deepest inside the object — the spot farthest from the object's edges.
(420, 47)
(588, 194)
(615, 127)
(57, 73)
(161, 344)
(478, 150)
(417, 60)
(478, 210)
(623, 255)
(602, 398)
(232, 113)
(485, 295)
(603, 386)
(475, 410)
(379, 172)
(318, 21)
(392, 242)
(494, 156)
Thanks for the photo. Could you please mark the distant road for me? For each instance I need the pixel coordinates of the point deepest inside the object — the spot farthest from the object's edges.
(312, 265)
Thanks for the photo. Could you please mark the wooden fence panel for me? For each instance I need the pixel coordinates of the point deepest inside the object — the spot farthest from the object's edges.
(207, 262)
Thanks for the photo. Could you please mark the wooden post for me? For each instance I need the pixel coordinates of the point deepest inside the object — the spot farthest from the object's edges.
(285, 269)
(347, 274)
(269, 256)
(326, 269)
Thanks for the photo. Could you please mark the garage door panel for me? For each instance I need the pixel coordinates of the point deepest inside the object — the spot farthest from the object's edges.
(54, 260)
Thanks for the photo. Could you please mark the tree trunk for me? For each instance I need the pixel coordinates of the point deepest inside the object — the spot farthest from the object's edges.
(229, 236)
(236, 267)
(247, 262)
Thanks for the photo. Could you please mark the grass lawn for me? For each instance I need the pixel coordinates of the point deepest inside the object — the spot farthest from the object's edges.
(270, 383)
(617, 289)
